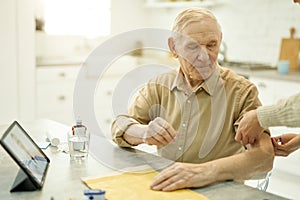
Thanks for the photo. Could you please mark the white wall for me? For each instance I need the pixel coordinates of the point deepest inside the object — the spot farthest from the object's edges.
(26, 60)
(8, 62)
(16, 60)
(252, 29)
(127, 15)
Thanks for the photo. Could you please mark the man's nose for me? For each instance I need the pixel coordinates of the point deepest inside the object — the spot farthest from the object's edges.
(202, 54)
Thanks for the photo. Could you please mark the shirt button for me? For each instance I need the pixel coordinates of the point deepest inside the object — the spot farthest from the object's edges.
(180, 148)
(184, 124)
(188, 101)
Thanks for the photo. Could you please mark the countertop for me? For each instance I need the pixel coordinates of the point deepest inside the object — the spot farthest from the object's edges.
(267, 73)
(60, 61)
(246, 69)
(64, 176)
(262, 70)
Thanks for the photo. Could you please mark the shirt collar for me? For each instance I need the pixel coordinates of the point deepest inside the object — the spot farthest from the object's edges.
(209, 85)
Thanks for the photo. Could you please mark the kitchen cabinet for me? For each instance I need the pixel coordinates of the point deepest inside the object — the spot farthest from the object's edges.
(272, 90)
(118, 87)
(55, 89)
(291, 163)
(54, 92)
(285, 176)
(17, 60)
(104, 93)
(103, 103)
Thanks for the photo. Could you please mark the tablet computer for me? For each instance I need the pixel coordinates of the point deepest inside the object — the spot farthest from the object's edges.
(31, 159)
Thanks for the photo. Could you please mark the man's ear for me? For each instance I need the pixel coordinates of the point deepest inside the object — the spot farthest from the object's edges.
(221, 38)
(172, 48)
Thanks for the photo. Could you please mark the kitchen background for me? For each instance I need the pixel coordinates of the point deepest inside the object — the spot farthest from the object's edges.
(38, 69)
(252, 30)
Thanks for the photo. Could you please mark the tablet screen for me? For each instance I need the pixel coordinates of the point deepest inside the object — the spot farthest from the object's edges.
(26, 153)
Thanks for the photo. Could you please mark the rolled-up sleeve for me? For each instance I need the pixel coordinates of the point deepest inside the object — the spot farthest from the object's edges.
(138, 113)
(247, 100)
(119, 126)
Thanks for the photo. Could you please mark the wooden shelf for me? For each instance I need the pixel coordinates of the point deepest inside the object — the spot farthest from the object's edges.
(180, 4)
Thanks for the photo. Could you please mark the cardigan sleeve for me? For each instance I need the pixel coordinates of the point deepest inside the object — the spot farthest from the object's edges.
(283, 113)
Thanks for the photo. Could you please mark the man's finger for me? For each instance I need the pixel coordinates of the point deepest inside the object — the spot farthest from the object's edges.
(167, 127)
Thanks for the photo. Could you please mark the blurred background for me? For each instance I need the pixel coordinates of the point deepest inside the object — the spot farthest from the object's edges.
(45, 42)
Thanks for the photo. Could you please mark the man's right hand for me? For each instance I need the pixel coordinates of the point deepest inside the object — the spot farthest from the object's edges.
(159, 132)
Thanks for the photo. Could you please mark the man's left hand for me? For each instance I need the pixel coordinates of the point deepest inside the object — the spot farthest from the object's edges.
(182, 175)
(249, 129)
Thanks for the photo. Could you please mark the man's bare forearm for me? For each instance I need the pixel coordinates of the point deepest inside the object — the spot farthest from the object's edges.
(134, 134)
(258, 159)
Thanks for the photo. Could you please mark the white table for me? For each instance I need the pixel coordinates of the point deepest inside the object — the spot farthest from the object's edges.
(64, 176)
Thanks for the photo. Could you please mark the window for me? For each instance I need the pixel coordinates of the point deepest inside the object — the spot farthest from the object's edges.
(90, 18)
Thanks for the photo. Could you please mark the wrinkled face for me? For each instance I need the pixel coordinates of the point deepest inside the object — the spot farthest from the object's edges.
(197, 49)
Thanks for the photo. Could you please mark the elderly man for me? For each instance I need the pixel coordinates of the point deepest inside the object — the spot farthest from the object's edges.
(191, 114)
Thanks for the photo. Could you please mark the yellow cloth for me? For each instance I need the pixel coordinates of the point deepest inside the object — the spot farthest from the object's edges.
(136, 186)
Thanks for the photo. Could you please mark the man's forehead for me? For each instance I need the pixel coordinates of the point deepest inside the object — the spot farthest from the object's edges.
(199, 31)
(199, 37)
(204, 25)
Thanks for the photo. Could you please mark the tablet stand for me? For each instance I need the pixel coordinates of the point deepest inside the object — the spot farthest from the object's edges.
(22, 183)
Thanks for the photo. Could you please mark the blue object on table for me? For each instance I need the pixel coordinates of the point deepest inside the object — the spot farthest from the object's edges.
(94, 194)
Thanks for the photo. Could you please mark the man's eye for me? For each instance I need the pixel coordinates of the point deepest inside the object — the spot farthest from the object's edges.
(211, 46)
(192, 47)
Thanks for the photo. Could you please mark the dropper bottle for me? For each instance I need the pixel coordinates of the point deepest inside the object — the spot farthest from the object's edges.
(79, 129)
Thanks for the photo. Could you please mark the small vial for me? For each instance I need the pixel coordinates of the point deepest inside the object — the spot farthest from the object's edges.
(79, 129)
(78, 141)
(94, 194)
